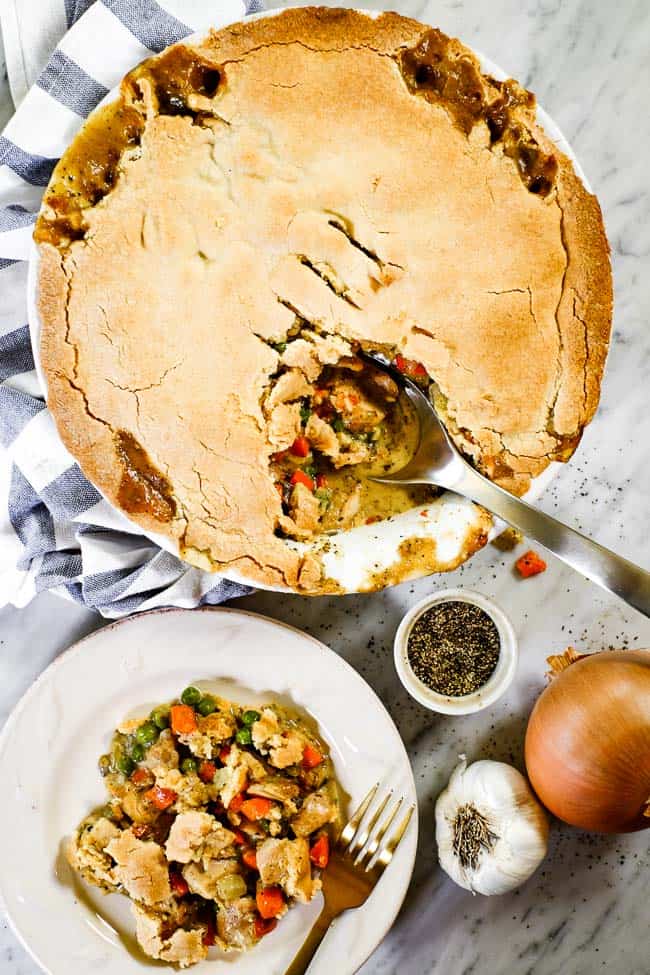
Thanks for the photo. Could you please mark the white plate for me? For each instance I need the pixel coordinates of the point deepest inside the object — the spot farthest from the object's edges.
(359, 554)
(48, 767)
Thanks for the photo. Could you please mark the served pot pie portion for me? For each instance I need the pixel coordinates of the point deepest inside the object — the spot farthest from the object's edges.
(218, 820)
(218, 243)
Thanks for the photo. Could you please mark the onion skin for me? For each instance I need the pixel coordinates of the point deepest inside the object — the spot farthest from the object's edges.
(588, 742)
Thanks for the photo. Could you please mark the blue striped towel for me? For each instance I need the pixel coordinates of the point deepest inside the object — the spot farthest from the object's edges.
(56, 531)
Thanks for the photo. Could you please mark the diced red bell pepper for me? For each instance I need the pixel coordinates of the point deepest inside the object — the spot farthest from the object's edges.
(207, 771)
(299, 477)
(240, 838)
(279, 455)
(224, 753)
(161, 798)
(530, 564)
(311, 757)
(178, 883)
(300, 447)
(270, 901)
(255, 808)
(410, 367)
(320, 852)
(321, 481)
(263, 926)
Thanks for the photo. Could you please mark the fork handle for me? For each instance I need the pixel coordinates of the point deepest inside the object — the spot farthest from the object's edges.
(607, 569)
(312, 943)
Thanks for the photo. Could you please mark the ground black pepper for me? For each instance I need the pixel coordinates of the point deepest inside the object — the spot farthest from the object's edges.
(453, 648)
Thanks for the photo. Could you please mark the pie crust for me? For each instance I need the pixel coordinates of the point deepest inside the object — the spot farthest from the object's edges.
(357, 174)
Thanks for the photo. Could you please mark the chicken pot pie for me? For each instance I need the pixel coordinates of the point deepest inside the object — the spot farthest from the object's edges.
(218, 819)
(217, 244)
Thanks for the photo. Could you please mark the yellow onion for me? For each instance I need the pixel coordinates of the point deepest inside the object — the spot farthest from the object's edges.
(588, 741)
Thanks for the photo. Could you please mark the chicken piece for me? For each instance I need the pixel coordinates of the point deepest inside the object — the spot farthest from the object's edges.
(275, 787)
(136, 806)
(141, 869)
(202, 878)
(286, 863)
(210, 734)
(290, 386)
(359, 412)
(318, 809)
(322, 436)
(352, 451)
(162, 755)
(130, 725)
(181, 947)
(267, 725)
(232, 778)
(86, 853)
(190, 791)
(236, 923)
(286, 750)
(284, 425)
(257, 771)
(196, 836)
(304, 509)
(302, 355)
(283, 747)
(350, 507)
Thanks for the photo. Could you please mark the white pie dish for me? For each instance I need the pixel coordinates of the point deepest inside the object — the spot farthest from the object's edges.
(356, 558)
(48, 764)
(486, 695)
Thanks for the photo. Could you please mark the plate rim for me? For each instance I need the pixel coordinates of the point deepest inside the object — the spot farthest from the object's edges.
(55, 665)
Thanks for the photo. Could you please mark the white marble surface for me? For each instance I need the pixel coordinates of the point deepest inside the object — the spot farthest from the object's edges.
(585, 911)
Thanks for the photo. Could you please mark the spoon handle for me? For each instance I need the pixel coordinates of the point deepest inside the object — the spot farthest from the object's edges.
(607, 569)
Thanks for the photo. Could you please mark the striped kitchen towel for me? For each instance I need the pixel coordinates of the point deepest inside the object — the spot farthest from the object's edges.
(56, 531)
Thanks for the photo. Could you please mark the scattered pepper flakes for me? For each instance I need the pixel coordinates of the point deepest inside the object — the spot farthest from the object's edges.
(530, 564)
(508, 540)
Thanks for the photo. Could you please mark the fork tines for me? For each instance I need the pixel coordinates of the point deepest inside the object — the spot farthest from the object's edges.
(365, 842)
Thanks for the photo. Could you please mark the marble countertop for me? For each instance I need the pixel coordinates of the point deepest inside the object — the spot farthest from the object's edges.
(585, 910)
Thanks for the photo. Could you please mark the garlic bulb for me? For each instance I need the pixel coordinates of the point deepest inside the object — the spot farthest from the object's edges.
(491, 831)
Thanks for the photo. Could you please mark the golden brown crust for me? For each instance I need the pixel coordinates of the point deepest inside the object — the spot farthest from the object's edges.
(515, 332)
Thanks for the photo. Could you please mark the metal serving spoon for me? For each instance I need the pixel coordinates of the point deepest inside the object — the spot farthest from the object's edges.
(438, 461)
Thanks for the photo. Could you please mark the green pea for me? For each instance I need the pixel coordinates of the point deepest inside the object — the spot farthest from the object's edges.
(125, 765)
(147, 733)
(244, 736)
(207, 705)
(191, 696)
(138, 752)
(160, 717)
(249, 718)
(189, 765)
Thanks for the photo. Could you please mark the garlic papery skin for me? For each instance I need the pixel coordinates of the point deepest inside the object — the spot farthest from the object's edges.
(491, 831)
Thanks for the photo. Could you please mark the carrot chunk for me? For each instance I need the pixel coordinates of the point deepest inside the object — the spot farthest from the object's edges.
(530, 564)
(182, 719)
(236, 802)
(161, 798)
(250, 858)
(207, 771)
(270, 901)
(255, 808)
(311, 757)
(410, 367)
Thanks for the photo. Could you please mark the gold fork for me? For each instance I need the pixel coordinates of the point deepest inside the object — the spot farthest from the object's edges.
(357, 861)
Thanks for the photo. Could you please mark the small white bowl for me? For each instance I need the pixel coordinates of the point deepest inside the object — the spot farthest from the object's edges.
(491, 690)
